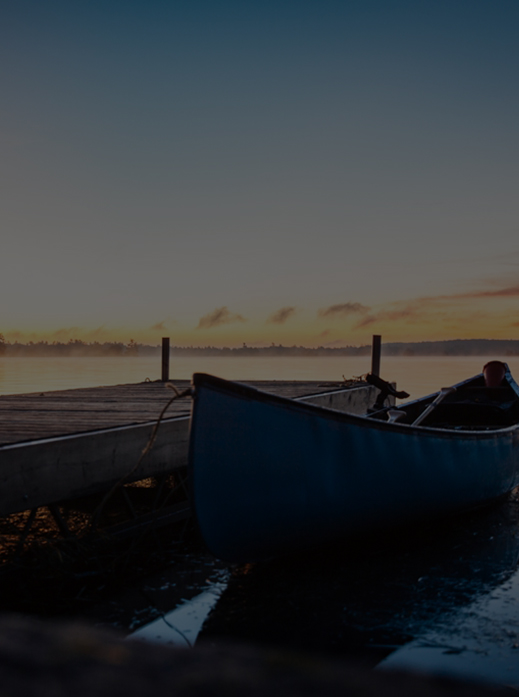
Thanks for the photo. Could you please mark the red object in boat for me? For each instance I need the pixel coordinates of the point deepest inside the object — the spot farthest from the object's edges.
(494, 373)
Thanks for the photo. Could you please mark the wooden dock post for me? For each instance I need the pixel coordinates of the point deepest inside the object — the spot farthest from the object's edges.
(165, 359)
(375, 354)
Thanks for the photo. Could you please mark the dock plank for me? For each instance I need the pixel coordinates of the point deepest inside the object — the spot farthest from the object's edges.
(45, 415)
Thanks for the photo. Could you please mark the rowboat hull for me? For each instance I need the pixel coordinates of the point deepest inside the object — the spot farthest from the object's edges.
(271, 475)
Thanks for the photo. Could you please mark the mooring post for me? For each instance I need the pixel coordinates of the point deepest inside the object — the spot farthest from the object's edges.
(375, 354)
(165, 358)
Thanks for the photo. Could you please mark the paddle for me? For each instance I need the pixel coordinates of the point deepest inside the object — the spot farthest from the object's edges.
(432, 406)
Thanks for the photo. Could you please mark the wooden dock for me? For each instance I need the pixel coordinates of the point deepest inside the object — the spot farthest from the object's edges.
(57, 446)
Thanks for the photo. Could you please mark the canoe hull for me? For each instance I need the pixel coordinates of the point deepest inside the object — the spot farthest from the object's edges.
(269, 475)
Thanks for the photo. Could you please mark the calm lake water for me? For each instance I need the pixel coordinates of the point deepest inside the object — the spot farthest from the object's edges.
(418, 376)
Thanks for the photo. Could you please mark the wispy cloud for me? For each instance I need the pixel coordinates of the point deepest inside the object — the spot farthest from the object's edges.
(452, 310)
(508, 292)
(343, 310)
(97, 332)
(281, 315)
(159, 327)
(424, 310)
(66, 333)
(218, 317)
(404, 314)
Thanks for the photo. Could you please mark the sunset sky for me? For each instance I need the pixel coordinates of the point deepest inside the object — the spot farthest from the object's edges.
(228, 171)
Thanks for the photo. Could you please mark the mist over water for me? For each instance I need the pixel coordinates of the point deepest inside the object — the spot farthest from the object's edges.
(416, 375)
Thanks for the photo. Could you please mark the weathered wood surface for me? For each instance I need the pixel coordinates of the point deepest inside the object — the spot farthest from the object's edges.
(69, 443)
(44, 415)
(28, 417)
(50, 470)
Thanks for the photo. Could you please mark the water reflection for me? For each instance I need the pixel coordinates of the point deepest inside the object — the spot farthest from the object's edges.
(418, 375)
(170, 603)
(439, 584)
(181, 626)
(480, 641)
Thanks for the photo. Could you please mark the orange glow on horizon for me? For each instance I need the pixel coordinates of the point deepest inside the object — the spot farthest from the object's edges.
(482, 315)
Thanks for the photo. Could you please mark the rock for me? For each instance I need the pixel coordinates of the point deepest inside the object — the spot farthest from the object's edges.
(51, 659)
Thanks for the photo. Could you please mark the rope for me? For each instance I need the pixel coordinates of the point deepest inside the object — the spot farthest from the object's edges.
(146, 450)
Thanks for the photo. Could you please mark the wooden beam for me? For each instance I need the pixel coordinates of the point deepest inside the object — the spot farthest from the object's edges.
(46, 471)
(375, 354)
(165, 358)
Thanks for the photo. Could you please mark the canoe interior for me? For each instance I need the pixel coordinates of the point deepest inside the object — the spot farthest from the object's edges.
(472, 406)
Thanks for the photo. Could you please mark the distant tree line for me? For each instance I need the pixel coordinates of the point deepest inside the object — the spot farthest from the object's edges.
(78, 348)
(74, 347)
(454, 347)
(272, 350)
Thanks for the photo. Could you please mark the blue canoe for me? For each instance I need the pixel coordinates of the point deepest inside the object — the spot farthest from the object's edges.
(270, 475)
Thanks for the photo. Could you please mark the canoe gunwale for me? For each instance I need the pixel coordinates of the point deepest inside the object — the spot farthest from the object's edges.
(249, 393)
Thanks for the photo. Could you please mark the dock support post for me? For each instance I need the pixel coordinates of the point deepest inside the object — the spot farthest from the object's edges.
(165, 359)
(60, 521)
(25, 532)
(375, 354)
